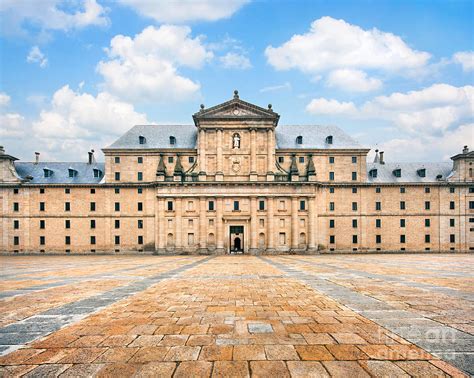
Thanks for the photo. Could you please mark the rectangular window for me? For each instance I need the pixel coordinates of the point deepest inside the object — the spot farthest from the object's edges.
(331, 176)
(427, 239)
(378, 223)
(354, 190)
(92, 239)
(301, 159)
(236, 206)
(210, 205)
(139, 190)
(451, 222)
(140, 206)
(354, 159)
(92, 206)
(16, 224)
(15, 191)
(354, 239)
(354, 206)
(42, 191)
(261, 205)
(117, 223)
(354, 176)
(331, 223)
(453, 190)
(117, 190)
(117, 206)
(402, 205)
(140, 239)
(377, 190)
(16, 240)
(92, 191)
(378, 206)
(42, 206)
(92, 222)
(67, 191)
(331, 159)
(302, 205)
(140, 160)
(281, 159)
(427, 190)
(282, 238)
(331, 190)
(452, 205)
(402, 190)
(354, 223)
(170, 159)
(67, 223)
(427, 205)
(117, 176)
(42, 224)
(117, 240)
(42, 240)
(332, 239)
(140, 176)
(170, 205)
(117, 159)
(331, 206)
(402, 239)
(427, 223)
(140, 223)
(471, 205)
(67, 240)
(452, 238)
(67, 206)
(191, 159)
(402, 223)
(378, 239)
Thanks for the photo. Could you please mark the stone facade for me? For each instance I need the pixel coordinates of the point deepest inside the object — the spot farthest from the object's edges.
(235, 181)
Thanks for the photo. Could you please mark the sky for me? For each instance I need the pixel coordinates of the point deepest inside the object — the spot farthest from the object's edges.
(395, 75)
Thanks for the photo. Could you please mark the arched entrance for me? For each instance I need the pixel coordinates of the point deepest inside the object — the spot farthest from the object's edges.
(236, 244)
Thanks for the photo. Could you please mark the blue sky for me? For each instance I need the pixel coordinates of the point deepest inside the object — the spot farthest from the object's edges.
(76, 74)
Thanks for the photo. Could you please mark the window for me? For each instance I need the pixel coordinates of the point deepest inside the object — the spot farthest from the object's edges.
(281, 159)
(378, 190)
(47, 172)
(402, 223)
(210, 206)
(452, 206)
(140, 160)
(67, 223)
(261, 205)
(373, 173)
(117, 206)
(140, 206)
(402, 190)
(15, 191)
(329, 139)
(299, 139)
(471, 205)
(67, 191)
(117, 223)
(331, 223)
(378, 239)
(397, 172)
(117, 190)
(354, 206)
(302, 205)
(140, 239)
(427, 222)
(427, 190)
(331, 206)
(170, 205)
(170, 159)
(117, 240)
(236, 206)
(140, 176)
(421, 172)
(191, 159)
(42, 206)
(16, 206)
(354, 159)
(378, 206)
(92, 239)
(452, 222)
(402, 205)
(452, 238)
(354, 223)
(16, 240)
(354, 190)
(117, 159)
(331, 159)
(92, 206)
(301, 159)
(332, 239)
(72, 172)
(354, 176)
(331, 176)
(139, 190)
(92, 191)
(141, 139)
(453, 190)
(97, 172)
(42, 224)
(378, 223)
(354, 239)
(282, 238)
(140, 223)
(471, 189)
(172, 140)
(427, 239)
(402, 239)
(92, 222)
(117, 176)
(67, 206)
(427, 205)
(331, 190)
(42, 240)
(67, 240)
(42, 191)
(16, 224)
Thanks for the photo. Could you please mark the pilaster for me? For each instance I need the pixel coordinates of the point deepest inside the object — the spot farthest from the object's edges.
(202, 226)
(253, 225)
(294, 223)
(220, 227)
(270, 226)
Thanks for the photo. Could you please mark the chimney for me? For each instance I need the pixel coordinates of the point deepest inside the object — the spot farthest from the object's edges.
(91, 156)
(2, 150)
(465, 150)
(376, 159)
(381, 158)
(37, 157)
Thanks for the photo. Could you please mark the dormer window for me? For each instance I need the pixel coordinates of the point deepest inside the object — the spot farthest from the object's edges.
(329, 139)
(97, 173)
(373, 173)
(141, 139)
(421, 172)
(299, 139)
(47, 172)
(397, 172)
(72, 172)
(172, 140)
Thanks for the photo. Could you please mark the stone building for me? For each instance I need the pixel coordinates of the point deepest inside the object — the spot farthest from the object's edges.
(236, 181)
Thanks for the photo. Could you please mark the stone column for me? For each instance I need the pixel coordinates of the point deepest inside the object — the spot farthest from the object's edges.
(202, 226)
(219, 173)
(179, 225)
(202, 155)
(294, 223)
(253, 225)
(270, 225)
(270, 155)
(219, 227)
(253, 155)
(312, 225)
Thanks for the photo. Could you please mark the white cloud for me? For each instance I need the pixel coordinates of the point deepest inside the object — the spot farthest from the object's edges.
(352, 80)
(51, 15)
(236, 61)
(36, 56)
(324, 106)
(185, 11)
(4, 99)
(12, 125)
(146, 67)
(274, 88)
(466, 59)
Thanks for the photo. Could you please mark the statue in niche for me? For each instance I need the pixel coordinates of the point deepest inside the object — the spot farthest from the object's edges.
(236, 141)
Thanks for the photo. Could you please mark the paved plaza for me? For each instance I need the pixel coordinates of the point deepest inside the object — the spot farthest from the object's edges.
(182, 316)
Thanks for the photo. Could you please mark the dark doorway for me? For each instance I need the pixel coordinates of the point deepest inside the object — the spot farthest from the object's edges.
(236, 244)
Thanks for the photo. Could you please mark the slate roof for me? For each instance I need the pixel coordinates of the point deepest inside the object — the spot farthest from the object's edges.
(85, 172)
(409, 172)
(314, 136)
(157, 136)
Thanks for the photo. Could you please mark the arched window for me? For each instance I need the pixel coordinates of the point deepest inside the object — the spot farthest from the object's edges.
(329, 139)
(141, 139)
(236, 141)
(172, 140)
(299, 139)
(170, 241)
(302, 241)
(261, 240)
(211, 240)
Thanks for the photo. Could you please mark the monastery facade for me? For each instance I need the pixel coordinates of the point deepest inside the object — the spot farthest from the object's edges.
(236, 182)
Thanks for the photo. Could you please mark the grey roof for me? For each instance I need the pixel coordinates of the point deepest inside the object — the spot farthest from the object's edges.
(409, 172)
(314, 136)
(85, 172)
(158, 136)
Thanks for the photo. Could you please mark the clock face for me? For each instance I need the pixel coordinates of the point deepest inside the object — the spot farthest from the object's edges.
(236, 111)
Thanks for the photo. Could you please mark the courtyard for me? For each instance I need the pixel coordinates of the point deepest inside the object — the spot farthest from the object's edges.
(182, 316)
